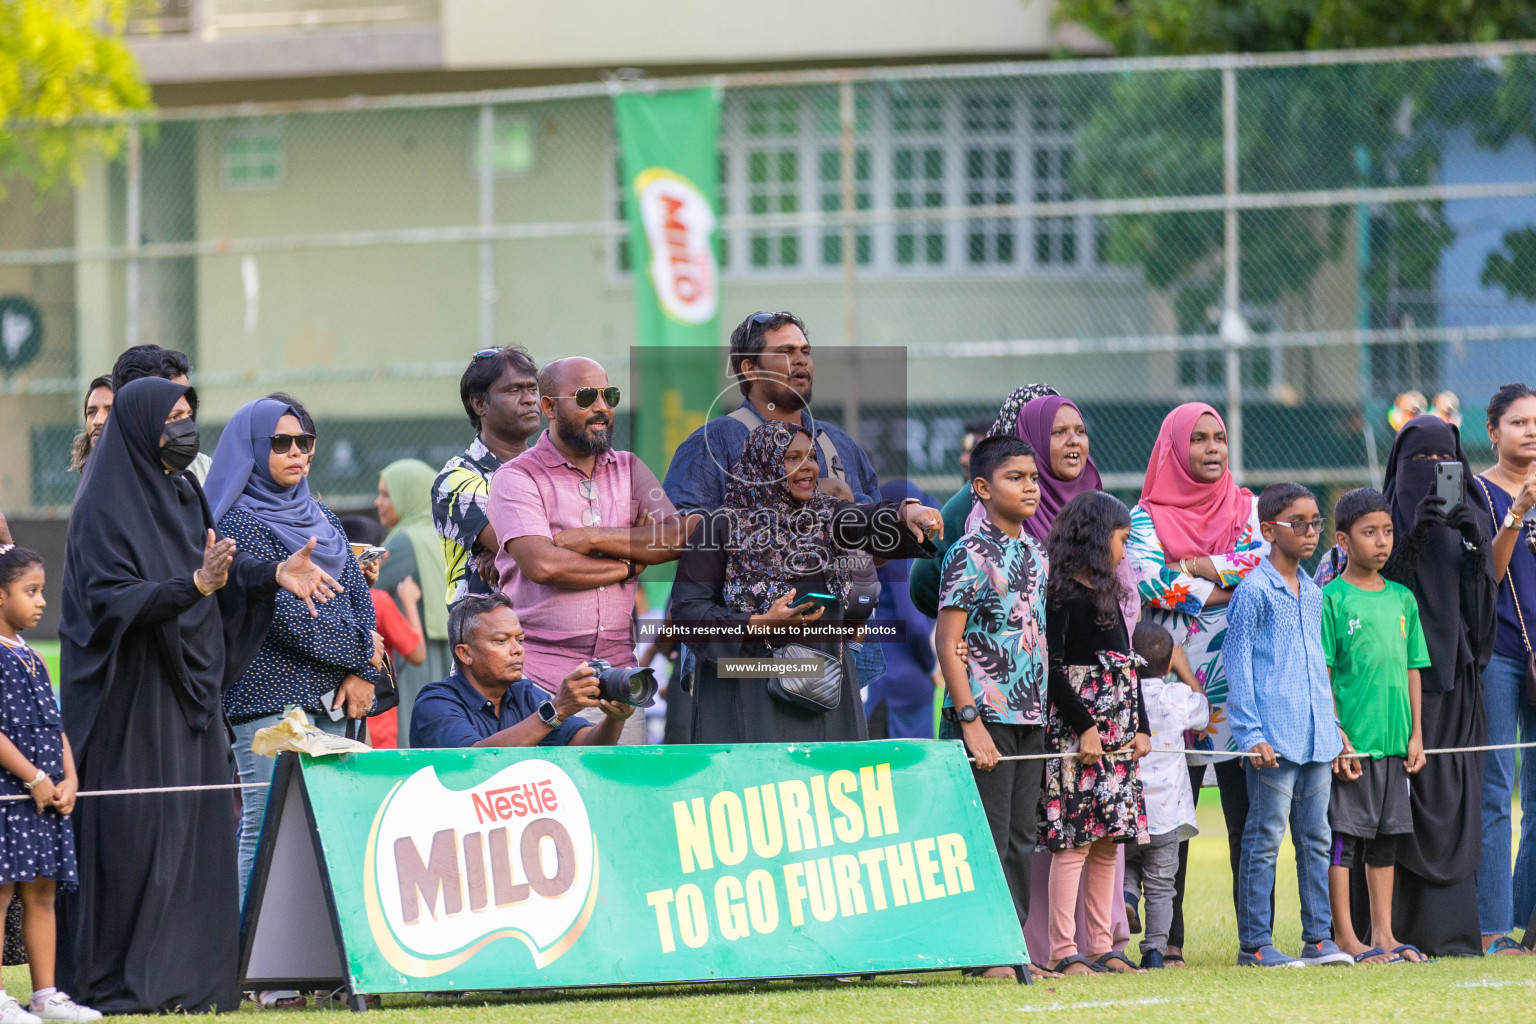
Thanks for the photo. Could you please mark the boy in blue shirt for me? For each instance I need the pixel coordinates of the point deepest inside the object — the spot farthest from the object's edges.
(1280, 703)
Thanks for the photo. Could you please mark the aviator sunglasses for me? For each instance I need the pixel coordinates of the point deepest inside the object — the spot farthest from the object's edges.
(587, 397)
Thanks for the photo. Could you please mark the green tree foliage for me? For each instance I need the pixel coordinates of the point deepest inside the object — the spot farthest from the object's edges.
(1302, 129)
(62, 60)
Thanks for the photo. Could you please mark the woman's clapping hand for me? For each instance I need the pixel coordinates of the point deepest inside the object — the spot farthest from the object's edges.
(302, 578)
(217, 557)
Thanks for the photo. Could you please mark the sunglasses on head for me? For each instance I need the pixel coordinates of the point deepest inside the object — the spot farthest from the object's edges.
(485, 353)
(587, 397)
(282, 443)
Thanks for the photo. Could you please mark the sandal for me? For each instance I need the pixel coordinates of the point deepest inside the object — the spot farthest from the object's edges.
(1398, 951)
(1392, 958)
(1173, 959)
(1060, 966)
(1115, 954)
(1504, 944)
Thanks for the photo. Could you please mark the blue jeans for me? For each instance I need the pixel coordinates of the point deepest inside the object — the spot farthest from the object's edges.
(253, 768)
(1504, 895)
(1297, 793)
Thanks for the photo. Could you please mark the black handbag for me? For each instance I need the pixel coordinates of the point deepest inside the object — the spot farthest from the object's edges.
(812, 691)
(1528, 686)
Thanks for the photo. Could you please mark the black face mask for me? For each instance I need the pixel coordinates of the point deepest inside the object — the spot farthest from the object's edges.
(180, 445)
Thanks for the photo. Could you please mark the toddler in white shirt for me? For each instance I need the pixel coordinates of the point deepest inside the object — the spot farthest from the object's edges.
(1173, 706)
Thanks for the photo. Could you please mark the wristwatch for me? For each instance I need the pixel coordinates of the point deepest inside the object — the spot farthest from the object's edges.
(1512, 521)
(967, 713)
(548, 715)
(41, 776)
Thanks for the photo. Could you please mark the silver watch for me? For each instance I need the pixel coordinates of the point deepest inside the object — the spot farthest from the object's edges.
(1512, 521)
(41, 776)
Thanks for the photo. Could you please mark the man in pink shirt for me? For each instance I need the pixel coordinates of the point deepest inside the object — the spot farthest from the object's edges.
(576, 522)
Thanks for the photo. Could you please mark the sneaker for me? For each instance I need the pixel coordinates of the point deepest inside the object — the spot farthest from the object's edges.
(1321, 954)
(60, 1007)
(1152, 961)
(1264, 956)
(12, 1013)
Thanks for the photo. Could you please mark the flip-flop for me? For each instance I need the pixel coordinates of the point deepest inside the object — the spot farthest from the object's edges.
(1395, 957)
(1503, 943)
(1117, 955)
(1408, 945)
(1060, 966)
(1173, 960)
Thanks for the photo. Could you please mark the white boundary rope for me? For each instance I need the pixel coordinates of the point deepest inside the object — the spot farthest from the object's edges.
(155, 790)
(1223, 754)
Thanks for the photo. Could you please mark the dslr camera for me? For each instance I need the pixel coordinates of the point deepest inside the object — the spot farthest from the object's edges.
(634, 686)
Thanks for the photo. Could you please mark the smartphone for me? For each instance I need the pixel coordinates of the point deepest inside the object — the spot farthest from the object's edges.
(812, 599)
(327, 698)
(1449, 485)
(371, 554)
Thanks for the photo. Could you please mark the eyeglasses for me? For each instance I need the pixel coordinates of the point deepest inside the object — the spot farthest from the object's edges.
(281, 443)
(591, 515)
(587, 397)
(1303, 528)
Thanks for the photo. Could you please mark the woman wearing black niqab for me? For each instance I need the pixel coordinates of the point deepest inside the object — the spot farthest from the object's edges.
(1442, 555)
(157, 617)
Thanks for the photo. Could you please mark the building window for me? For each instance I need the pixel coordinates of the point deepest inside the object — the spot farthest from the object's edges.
(917, 149)
(252, 159)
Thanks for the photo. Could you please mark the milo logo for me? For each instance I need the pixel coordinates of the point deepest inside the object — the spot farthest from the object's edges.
(679, 225)
(451, 871)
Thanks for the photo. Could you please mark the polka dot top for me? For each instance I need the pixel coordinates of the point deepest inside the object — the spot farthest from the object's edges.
(303, 656)
(29, 713)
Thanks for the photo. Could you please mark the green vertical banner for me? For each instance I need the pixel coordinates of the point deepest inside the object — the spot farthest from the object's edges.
(669, 143)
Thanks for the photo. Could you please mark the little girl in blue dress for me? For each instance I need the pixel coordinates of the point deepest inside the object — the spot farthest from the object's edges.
(37, 792)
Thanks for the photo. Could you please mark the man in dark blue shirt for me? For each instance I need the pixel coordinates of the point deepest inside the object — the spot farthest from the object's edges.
(771, 360)
(486, 702)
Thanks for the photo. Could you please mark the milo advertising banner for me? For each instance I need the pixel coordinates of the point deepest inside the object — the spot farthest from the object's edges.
(432, 870)
(669, 157)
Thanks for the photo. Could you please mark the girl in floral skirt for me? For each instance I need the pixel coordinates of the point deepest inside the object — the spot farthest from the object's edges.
(1091, 799)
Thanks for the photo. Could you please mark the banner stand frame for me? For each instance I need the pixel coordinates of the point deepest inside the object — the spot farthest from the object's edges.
(311, 890)
(282, 936)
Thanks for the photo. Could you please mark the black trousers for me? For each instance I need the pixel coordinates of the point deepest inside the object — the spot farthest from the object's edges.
(1233, 786)
(1010, 795)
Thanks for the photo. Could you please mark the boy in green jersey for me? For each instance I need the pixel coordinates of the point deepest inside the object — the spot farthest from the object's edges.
(1374, 647)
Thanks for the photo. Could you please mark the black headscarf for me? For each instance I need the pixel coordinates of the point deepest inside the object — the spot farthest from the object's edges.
(1435, 575)
(134, 530)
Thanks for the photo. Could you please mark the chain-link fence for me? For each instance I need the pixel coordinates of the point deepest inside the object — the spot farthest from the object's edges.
(1296, 238)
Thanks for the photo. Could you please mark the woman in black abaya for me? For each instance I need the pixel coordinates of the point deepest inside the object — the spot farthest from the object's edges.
(1442, 555)
(157, 617)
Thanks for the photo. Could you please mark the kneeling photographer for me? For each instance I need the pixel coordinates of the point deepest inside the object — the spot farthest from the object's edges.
(486, 702)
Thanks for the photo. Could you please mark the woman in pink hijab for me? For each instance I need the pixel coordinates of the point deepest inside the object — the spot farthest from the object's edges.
(1194, 536)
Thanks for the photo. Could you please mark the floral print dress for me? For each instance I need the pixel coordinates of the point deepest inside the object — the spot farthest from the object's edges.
(1176, 602)
(1081, 803)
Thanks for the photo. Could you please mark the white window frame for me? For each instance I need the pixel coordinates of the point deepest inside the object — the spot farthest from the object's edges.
(252, 132)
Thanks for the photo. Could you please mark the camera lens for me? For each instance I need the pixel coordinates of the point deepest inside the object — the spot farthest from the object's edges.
(636, 686)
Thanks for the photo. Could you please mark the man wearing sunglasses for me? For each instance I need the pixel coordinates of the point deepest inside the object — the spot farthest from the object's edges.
(500, 393)
(576, 522)
(771, 360)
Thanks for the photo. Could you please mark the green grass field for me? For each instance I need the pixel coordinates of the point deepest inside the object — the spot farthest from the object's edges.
(1210, 989)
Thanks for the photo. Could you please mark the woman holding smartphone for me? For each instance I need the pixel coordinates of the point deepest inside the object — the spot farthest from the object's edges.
(770, 557)
(258, 493)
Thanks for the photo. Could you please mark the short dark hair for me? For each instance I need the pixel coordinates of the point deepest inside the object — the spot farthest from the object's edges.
(306, 421)
(485, 370)
(104, 381)
(747, 340)
(1357, 504)
(977, 427)
(466, 614)
(992, 452)
(1506, 396)
(148, 361)
(1155, 645)
(14, 561)
(1276, 498)
(362, 529)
